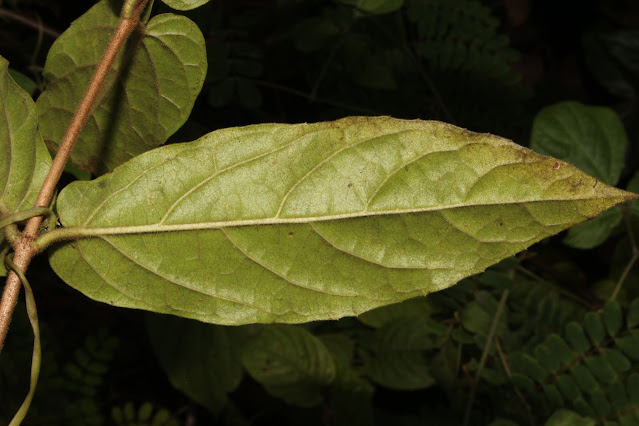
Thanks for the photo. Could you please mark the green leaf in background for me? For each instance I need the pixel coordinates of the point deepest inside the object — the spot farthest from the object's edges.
(294, 223)
(595, 231)
(26, 83)
(419, 307)
(612, 59)
(478, 315)
(565, 417)
(398, 357)
(290, 363)
(151, 89)
(197, 358)
(351, 396)
(185, 4)
(24, 159)
(591, 138)
(376, 7)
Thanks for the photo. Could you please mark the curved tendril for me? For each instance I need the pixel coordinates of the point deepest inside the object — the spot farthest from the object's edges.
(37, 350)
(12, 233)
(28, 214)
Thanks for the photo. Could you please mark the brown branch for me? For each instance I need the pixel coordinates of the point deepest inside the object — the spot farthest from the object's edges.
(29, 22)
(24, 249)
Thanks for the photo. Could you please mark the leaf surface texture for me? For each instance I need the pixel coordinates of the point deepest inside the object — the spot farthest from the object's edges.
(293, 223)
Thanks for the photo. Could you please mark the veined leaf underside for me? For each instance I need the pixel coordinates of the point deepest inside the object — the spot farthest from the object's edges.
(292, 223)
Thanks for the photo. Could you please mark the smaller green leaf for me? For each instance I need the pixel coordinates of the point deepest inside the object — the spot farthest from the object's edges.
(629, 344)
(148, 93)
(617, 360)
(628, 420)
(526, 364)
(565, 417)
(594, 232)
(197, 358)
(548, 359)
(521, 381)
(632, 321)
(26, 83)
(600, 403)
(184, 4)
(399, 358)
(418, 307)
(584, 378)
(553, 395)
(601, 369)
(612, 318)
(145, 411)
(462, 336)
(375, 7)
(594, 327)
(617, 396)
(632, 385)
(559, 348)
(568, 387)
(591, 138)
(477, 316)
(350, 395)
(290, 363)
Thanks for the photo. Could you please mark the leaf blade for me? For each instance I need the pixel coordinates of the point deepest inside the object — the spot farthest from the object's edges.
(313, 221)
(25, 158)
(153, 85)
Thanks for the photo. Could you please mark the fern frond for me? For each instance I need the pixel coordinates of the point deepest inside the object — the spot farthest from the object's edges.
(592, 369)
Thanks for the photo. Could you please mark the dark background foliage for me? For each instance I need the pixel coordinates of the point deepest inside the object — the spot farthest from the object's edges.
(486, 66)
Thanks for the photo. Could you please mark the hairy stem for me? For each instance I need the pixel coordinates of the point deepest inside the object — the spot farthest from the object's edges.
(24, 249)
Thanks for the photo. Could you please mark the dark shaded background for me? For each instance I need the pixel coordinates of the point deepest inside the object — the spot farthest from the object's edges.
(264, 67)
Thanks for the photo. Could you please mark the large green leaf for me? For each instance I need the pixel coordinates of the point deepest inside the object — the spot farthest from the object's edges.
(24, 160)
(293, 223)
(148, 94)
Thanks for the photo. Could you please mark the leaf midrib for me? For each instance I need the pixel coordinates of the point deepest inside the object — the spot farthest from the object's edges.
(201, 226)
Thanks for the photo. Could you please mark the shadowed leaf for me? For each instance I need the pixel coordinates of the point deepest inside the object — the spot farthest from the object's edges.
(24, 159)
(150, 89)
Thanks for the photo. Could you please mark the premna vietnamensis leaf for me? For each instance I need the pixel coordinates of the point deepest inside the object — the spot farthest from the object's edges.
(293, 223)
